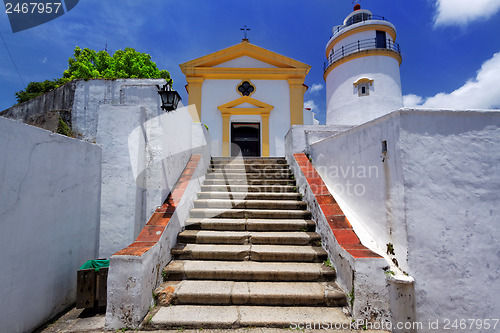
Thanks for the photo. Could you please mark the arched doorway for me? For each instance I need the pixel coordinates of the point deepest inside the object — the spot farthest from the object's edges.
(246, 136)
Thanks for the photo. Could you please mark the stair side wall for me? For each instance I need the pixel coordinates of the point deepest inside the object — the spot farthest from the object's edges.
(360, 271)
(432, 207)
(49, 221)
(136, 271)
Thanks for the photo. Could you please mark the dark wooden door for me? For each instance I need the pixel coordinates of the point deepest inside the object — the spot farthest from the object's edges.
(246, 136)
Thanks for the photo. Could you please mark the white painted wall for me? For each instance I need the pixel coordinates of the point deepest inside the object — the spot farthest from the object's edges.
(144, 151)
(132, 279)
(49, 221)
(273, 92)
(346, 107)
(434, 197)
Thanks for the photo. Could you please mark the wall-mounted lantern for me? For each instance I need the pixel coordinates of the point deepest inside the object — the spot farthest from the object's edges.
(169, 98)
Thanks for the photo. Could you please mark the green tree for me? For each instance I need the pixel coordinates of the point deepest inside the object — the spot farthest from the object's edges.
(90, 64)
(35, 89)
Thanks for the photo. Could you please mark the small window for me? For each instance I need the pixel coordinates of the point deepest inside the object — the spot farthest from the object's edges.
(364, 89)
(363, 85)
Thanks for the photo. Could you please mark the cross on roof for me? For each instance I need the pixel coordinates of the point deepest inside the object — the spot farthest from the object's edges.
(245, 29)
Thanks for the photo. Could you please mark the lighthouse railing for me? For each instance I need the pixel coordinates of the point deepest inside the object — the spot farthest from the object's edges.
(360, 46)
(357, 19)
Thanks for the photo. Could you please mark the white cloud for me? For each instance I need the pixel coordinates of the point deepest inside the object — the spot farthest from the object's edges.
(479, 93)
(315, 88)
(310, 105)
(412, 100)
(462, 12)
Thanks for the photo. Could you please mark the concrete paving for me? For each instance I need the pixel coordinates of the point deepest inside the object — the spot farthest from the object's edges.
(229, 316)
(85, 321)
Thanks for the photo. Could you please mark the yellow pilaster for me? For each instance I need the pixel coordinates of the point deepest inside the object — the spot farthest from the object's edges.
(226, 145)
(265, 135)
(194, 88)
(296, 101)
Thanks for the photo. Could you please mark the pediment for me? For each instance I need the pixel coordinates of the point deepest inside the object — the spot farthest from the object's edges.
(245, 62)
(242, 53)
(245, 104)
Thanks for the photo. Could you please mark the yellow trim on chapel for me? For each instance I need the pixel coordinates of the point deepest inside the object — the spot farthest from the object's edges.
(286, 68)
(244, 49)
(194, 92)
(231, 109)
(297, 90)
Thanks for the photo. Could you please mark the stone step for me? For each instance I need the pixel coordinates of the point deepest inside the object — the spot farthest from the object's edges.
(248, 167)
(178, 270)
(249, 224)
(250, 175)
(202, 316)
(249, 160)
(283, 253)
(250, 213)
(249, 237)
(249, 196)
(250, 204)
(249, 182)
(250, 188)
(210, 292)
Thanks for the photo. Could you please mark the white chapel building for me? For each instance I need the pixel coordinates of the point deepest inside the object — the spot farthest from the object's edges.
(248, 97)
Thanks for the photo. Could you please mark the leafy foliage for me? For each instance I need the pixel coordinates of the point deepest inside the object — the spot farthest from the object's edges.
(35, 89)
(90, 64)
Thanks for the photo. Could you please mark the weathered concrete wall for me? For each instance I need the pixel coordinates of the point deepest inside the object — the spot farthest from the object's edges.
(143, 156)
(49, 221)
(144, 151)
(300, 137)
(91, 95)
(451, 169)
(432, 198)
(58, 99)
(135, 272)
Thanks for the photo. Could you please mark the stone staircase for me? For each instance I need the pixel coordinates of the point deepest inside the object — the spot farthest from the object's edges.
(249, 255)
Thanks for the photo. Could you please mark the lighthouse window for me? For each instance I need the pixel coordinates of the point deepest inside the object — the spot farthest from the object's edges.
(363, 85)
(364, 89)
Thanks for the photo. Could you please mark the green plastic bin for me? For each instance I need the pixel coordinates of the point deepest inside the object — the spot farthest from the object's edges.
(92, 284)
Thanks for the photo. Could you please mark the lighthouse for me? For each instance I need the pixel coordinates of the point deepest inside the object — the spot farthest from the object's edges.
(361, 70)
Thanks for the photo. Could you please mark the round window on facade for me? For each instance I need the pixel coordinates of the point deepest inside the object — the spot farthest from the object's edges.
(245, 88)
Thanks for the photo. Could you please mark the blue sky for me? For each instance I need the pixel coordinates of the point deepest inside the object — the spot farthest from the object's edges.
(451, 48)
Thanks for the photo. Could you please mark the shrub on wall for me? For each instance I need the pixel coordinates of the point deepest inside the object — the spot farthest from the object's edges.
(90, 64)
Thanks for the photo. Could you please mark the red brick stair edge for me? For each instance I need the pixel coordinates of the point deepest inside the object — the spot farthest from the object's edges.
(153, 230)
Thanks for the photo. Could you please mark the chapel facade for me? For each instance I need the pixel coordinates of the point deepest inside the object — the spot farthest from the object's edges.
(248, 97)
